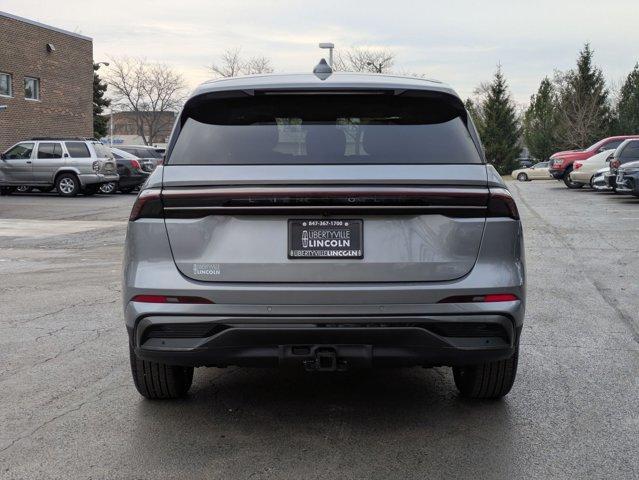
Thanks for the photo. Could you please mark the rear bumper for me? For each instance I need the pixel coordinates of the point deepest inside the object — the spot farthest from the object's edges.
(428, 340)
(580, 177)
(97, 178)
(132, 181)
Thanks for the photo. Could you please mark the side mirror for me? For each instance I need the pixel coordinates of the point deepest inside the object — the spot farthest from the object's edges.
(66, 155)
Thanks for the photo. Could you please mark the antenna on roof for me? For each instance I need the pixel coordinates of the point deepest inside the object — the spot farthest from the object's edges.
(322, 70)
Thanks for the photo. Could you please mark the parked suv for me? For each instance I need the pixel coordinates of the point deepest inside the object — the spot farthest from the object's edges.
(328, 222)
(70, 166)
(561, 163)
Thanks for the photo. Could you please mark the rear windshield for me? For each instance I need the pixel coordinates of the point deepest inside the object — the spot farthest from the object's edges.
(324, 129)
(101, 151)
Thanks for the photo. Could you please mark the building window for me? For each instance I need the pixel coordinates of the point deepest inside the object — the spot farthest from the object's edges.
(32, 88)
(5, 84)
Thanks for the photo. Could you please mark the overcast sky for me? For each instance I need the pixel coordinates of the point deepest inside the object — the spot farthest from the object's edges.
(457, 41)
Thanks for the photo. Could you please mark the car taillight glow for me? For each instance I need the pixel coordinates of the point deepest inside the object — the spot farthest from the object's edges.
(136, 165)
(170, 299)
(577, 165)
(490, 297)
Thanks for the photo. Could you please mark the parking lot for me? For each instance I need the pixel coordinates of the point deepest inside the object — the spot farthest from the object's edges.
(69, 408)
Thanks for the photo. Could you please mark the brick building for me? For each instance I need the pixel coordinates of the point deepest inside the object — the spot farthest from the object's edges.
(46, 81)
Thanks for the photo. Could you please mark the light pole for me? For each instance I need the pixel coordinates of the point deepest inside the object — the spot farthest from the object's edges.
(330, 47)
(111, 128)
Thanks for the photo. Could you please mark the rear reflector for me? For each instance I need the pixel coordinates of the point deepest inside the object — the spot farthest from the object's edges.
(491, 297)
(169, 299)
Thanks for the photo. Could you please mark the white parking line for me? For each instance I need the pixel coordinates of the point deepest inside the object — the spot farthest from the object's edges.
(15, 227)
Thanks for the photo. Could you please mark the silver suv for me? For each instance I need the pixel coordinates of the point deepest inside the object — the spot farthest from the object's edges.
(329, 222)
(69, 165)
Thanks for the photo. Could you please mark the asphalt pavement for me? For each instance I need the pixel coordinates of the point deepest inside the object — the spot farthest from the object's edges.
(68, 407)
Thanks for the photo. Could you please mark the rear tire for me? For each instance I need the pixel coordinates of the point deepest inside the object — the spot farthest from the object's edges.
(67, 185)
(157, 381)
(488, 380)
(569, 183)
(522, 177)
(90, 190)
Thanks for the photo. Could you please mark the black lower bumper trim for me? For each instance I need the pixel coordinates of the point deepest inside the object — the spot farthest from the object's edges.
(447, 341)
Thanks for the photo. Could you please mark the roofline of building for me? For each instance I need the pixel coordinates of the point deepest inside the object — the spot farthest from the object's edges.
(42, 25)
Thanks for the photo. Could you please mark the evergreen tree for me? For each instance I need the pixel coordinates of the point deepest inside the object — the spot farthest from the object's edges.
(541, 122)
(628, 107)
(498, 125)
(585, 114)
(99, 104)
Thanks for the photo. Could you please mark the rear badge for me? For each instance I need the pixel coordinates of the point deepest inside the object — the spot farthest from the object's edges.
(206, 269)
(320, 238)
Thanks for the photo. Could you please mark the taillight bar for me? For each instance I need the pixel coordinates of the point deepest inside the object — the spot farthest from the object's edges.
(329, 199)
(199, 202)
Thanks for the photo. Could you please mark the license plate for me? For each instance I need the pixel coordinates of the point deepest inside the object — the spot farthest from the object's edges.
(324, 238)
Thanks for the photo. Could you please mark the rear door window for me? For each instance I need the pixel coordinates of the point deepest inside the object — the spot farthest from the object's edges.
(49, 150)
(325, 128)
(77, 149)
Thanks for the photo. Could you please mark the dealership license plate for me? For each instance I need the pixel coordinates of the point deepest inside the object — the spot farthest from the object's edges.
(325, 238)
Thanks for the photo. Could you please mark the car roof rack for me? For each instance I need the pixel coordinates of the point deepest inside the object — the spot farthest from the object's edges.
(83, 139)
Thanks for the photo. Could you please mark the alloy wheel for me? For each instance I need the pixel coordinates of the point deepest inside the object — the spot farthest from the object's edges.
(67, 185)
(107, 187)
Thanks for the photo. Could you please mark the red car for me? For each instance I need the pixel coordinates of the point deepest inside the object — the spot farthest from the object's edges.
(561, 162)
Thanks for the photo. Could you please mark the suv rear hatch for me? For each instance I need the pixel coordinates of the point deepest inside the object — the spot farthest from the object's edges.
(324, 186)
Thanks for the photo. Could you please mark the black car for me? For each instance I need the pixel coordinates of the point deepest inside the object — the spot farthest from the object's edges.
(133, 172)
(627, 152)
(628, 178)
(148, 153)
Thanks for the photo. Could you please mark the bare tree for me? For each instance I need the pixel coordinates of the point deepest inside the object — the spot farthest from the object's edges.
(152, 91)
(364, 60)
(256, 65)
(232, 64)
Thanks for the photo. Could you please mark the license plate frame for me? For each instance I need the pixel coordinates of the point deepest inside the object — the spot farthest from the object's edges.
(345, 242)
